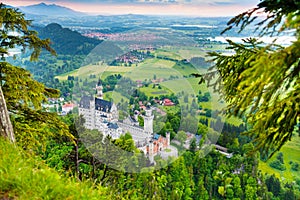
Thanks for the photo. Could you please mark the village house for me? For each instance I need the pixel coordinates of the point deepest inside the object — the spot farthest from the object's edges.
(68, 107)
(168, 102)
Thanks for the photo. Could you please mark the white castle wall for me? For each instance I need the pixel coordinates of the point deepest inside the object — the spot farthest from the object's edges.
(94, 119)
(136, 132)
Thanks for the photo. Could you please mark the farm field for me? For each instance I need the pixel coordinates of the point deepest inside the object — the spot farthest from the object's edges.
(182, 52)
(86, 71)
(187, 70)
(64, 76)
(192, 52)
(169, 54)
(116, 97)
(155, 92)
(157, 63)
(291, 152)
(180, 85)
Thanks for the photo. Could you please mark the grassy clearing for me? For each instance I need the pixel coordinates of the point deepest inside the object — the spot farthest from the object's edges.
(153, 67)
(191, 52)
(190, 86)
(114, 96)
(180, 53)
(216, 47)
(179, 85)
(155, 92)
(291, 152)
(186, 70)
(194, 83)
(167, 53)
(64, 76)
(25, 177)
(157, 63)
(142, 73)
(86, 71)
(215, 103)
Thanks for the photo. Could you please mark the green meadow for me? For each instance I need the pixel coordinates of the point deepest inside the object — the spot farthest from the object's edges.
(155, 92)
(181, 52)
(86, 71)
(116, 97)
(169, 54)
(157, 63)
(291, 152)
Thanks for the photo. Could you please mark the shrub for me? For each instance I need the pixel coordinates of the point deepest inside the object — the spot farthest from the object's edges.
(276, 164)
(295, 166)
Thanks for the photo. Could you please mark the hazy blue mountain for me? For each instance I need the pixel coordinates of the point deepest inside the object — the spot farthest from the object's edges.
(50, 10)
(9, 6)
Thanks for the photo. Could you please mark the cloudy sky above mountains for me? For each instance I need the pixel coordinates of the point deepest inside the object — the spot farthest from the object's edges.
(167, 7)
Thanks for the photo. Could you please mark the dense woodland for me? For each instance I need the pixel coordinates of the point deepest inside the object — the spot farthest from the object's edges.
(46, 157)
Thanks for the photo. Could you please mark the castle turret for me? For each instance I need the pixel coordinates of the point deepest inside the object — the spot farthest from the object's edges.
(148, 120)
(151, 151)
(168, 138)
(99, 89)
(92, 112)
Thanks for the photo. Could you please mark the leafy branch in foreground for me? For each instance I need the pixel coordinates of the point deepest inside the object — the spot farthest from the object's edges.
(13, 21)
(275, 11)
(261, 81)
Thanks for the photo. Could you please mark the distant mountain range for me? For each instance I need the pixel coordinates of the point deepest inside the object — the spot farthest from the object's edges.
(67, 42)
(50, 10)
(8, 6)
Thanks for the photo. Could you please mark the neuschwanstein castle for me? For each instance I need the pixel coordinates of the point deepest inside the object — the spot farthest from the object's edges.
(103, 115)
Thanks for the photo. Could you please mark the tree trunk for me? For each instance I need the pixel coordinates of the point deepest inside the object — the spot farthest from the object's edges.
(6, 128)
(104, 174)
(77, 161)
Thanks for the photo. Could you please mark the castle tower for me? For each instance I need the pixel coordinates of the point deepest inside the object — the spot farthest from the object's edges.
(168, 138)
(92, 112)
(99, 89)
(151, 151)
(148, 121)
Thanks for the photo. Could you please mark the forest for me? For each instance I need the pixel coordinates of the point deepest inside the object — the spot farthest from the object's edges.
(42, 155)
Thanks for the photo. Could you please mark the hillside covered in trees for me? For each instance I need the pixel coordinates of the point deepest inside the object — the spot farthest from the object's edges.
(65, 41)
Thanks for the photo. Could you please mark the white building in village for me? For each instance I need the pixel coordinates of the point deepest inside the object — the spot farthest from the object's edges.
(103, 115)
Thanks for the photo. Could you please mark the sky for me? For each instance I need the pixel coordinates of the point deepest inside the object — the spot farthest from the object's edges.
(156, 7)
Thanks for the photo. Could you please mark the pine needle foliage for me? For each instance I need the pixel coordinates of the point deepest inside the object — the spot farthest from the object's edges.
(24, 96)
(261, 81)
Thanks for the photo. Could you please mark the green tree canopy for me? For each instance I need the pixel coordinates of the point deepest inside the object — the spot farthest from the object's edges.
(261, 81)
